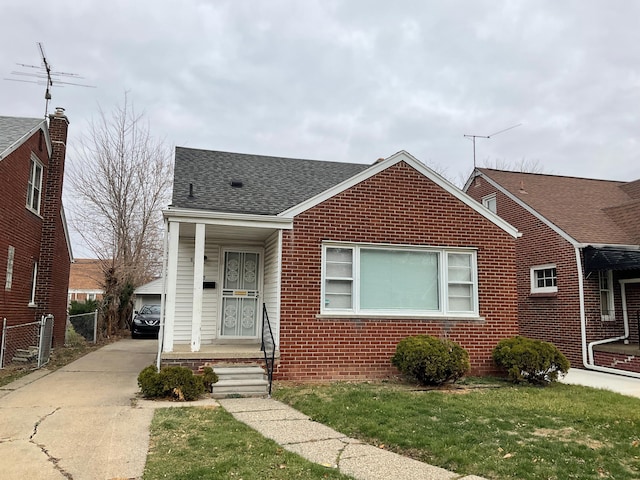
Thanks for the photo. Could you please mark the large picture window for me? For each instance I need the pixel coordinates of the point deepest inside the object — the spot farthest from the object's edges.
(371, 279)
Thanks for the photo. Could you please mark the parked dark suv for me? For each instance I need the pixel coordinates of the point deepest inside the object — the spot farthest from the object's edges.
(146, 322)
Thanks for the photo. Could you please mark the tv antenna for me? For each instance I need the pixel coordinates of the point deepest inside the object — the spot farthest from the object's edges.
(46, 76)
(473, 137)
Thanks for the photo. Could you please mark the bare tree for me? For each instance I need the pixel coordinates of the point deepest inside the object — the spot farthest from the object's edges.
(120, 183)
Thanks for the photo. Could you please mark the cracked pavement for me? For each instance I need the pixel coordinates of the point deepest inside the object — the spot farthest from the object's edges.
(78, 422)
(320, 444)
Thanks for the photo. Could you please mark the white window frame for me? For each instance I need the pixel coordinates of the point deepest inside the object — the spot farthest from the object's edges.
(534, 279)
(490, 202)
(610, 295)
(443, 282)
(34, 167)
(34, 282)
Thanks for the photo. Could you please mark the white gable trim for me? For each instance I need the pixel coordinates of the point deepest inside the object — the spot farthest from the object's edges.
(15, 145)
(406, 157)
(154, 287)
(529, 209)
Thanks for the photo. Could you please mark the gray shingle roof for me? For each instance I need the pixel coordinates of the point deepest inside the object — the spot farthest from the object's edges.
(270, 185)
(13, 129)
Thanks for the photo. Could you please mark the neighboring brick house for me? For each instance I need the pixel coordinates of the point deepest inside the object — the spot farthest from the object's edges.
(578, 262)
(86, 280)
(35, 252)
(347, 259)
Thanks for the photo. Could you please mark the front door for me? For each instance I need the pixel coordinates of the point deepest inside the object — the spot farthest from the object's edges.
(240, 292)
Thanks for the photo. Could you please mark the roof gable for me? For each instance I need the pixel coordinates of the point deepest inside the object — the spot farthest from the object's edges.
(268, 185)
(581, 209)
(14, 131)
(403, 156)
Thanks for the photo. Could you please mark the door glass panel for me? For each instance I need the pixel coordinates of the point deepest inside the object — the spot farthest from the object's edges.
(240, 294)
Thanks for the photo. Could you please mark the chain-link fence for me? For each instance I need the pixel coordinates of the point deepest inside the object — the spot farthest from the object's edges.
(85, 324)
(27, 345)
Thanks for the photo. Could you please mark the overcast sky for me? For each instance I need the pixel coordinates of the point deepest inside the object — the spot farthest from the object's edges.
(349, 80)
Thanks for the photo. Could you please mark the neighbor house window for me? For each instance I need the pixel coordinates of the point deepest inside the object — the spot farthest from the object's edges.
(91, 296)
(490, 202)
(34, 276)
(34, 187)
(371, 279)
(607, 309)
(544, 279)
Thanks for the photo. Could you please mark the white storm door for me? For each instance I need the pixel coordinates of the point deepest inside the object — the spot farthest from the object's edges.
(240, 292)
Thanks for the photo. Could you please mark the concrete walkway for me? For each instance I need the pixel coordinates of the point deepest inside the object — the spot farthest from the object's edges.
(323, 445)
(78, 422)
(616, 383)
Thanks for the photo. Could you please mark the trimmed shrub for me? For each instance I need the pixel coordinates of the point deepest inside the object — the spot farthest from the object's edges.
(150, 383)
(431, 360)
(529, 360)
(209, 377)
(175, 382)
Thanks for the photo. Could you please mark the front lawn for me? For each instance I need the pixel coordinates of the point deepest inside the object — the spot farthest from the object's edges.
(208, 443)
(498, 431)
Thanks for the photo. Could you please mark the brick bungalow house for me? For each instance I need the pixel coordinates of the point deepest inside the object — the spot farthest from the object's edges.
(85, 280)
(347, 260)
(578, 262)
(35, 252)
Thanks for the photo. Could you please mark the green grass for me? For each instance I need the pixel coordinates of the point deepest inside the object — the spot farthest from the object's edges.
(208, 443)
(503, 432)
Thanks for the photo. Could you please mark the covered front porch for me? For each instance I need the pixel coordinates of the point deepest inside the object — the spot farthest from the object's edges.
(222, 284)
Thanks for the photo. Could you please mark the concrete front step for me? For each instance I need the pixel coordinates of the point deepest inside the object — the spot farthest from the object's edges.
(241, 380)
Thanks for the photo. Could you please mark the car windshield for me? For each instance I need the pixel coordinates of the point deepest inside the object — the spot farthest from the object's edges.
(150, 309)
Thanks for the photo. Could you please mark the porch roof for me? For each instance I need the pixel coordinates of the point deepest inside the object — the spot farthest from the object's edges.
(611, 258)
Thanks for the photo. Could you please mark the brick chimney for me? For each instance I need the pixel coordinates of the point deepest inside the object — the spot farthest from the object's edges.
(51, 271)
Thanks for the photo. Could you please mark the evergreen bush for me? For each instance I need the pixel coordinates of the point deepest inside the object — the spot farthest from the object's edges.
(175, 382)
(528, 360)
(431, 360)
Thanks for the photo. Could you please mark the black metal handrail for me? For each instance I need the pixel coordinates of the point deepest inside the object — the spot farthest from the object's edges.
(268, 345)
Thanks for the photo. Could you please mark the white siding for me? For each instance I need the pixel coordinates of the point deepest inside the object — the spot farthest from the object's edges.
(210, 300)
(184, 291)
(271, 293)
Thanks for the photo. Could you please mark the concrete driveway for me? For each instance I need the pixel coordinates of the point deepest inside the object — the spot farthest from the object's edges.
(79, 422)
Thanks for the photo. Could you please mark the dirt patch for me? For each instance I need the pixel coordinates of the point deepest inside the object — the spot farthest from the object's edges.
(567, 435)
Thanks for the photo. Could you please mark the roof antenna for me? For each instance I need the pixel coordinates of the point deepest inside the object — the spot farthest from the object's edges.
(46, 77)
(473, 137)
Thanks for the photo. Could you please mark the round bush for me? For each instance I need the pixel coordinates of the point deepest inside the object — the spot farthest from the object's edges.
(431, 360)
(209, 377)
(529, 360)
(150, 383)
(177, 382)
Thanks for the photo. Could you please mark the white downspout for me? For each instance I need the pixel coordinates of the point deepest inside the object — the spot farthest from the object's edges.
(587, 350)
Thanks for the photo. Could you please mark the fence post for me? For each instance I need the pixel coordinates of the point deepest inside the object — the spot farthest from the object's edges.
(4, 342)
(95, 326)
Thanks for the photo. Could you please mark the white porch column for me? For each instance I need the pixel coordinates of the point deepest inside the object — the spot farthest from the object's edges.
(172, 286)
(198, 277)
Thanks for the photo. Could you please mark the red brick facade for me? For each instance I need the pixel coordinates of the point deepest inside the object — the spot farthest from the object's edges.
(397, 206)
(35, 237)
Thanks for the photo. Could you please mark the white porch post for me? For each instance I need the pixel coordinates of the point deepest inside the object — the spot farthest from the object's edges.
(172, 281)
(198, 276)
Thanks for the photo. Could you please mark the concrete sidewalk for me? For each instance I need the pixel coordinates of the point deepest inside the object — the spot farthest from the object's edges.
(616, 383)
(78, 422)
(323, 445)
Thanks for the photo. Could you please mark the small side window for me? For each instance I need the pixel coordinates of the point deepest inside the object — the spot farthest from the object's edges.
(544, 279)
(489, 202)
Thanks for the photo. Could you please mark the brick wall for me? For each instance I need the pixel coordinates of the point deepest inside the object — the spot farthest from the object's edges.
(396, 206)
(20, 228)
